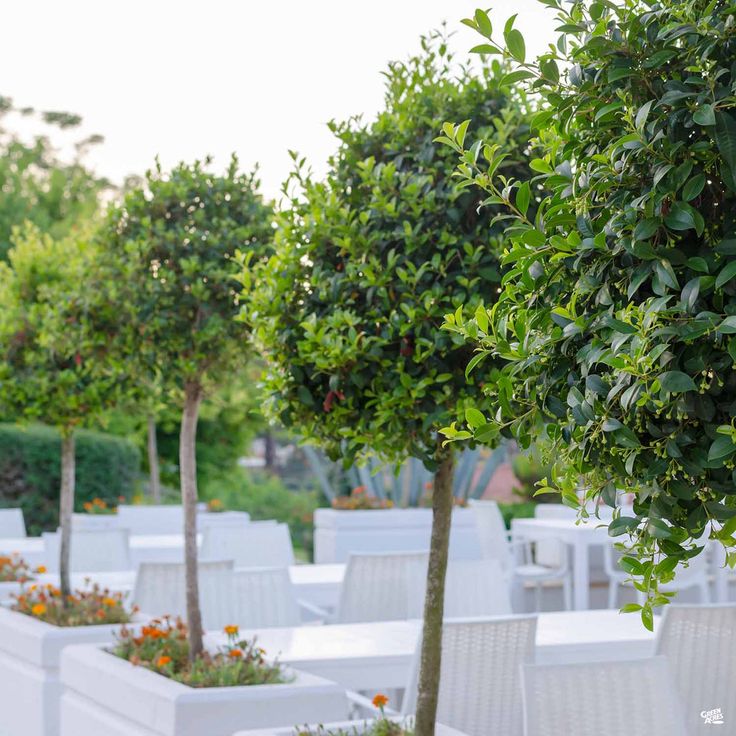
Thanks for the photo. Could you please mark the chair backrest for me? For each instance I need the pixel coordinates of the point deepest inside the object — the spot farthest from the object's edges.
(376, 586)
(249, 545)
(546, 551)
(164, 519)
(12, 524)
(98, 550)
(160, 589)
(700, 644)
(472, 588)
(480, 675)
(602, 698)
(264, 597)
(492, 532)
(237, 519)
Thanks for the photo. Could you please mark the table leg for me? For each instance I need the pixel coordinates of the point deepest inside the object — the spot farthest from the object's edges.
(581, 577)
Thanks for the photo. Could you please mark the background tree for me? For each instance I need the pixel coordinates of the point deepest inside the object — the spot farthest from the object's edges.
(57, 321)
(619, 311)
(37, 184)
(175, 242)
(368, 262)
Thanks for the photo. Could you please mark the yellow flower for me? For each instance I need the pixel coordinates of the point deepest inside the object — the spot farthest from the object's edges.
(231, 630)
(41, 569)
(39, 609)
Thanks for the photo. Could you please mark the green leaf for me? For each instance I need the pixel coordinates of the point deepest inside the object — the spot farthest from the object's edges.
(515, 45)
(680, 217)
(474, 418)
(728, 326)
(484, 23)
(622, 525)
(693, 187)
(725, 135)
(726, 274)
(721, 448)
(523, 197)
(704, 115)
(676, 382)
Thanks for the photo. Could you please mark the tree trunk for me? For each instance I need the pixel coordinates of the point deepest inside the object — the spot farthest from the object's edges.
(154, 472)
(431, 653)
(269, 452)
(66, 507)
(188, 477)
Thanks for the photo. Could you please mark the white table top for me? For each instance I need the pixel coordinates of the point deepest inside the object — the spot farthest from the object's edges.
(592, 531)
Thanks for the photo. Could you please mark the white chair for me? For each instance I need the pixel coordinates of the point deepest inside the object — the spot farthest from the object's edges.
(12, 525)
(376, 586)
(237, 519)
(635, 698)
(160, 589)
(549, 552)
(480, 675)
(264, 597)
(517, 559)
(472, 588)
(162, 519)
(694, 575)
(102, 550)
(251, 545)
(700, 644)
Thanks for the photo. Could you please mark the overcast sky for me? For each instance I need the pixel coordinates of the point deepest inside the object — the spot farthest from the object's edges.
(181, 79)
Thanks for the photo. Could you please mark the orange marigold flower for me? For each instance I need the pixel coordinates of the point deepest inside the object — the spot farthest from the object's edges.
(163, 661)
(235, 653)
(38, 609)
(109, 602)
(231, 630)
(380, 700)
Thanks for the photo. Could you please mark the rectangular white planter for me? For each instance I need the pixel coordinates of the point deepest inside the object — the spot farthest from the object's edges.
(107, 696)
(30, 688)
(7, 591)
(95, 522)
(350, 727)
(337, 532)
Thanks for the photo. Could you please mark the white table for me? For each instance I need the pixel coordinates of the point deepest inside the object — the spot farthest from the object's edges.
(580, 536)
(378, 656)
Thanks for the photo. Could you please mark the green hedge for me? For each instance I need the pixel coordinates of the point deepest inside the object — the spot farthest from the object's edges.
(107, 467)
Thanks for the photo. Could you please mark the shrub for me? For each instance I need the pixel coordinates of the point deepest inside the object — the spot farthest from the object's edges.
(30, 470)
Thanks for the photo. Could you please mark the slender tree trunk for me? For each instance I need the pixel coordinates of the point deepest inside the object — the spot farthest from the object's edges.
(66, 507)
(269, 452)
(188, 473)
(431, 653)
(154, 472)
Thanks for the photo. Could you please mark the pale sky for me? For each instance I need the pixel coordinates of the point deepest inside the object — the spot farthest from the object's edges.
(181, 79)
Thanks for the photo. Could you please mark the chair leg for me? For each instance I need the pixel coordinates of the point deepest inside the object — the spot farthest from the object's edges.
(537, 597)
(612, 593)
(567, 592)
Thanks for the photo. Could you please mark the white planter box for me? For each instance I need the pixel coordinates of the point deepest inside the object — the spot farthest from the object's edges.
(107, 696)
(350, 727)
(7, 591)
(222, 518)
(95, 522)
(337, 533)
(30, 688)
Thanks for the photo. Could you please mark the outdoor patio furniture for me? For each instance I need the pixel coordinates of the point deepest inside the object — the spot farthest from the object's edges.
(700, 644)
(376, 586)
(12, 523)
(480, 675)
(516, 556)
(472, 588)
(635, 698)
(160, 589)
(144, 519)
(103, 550)
(695, 575)
(254, 545)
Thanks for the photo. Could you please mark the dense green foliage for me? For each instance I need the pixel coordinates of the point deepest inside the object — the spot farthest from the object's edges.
(370, 260)
(36, 185)
(107, 467)
(619, 307)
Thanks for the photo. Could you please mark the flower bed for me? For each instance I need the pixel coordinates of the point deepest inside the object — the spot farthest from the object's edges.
(338, 532)
(144, 685)
(14, 573)
(30, 653)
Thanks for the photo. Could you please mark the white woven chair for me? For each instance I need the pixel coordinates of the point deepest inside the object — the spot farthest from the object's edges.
(12, 524)
(160, 589)
(480, 676)
(517, 560)
(264, 597)
(472, 588)
(635, 698)
(163, 519)
(695, 575)
(700, 644)
(376, 586)
(103, 550)
(251, 545)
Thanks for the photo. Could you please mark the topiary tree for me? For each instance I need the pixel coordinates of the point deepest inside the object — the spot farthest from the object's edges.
(175, 243)
(619, 309)
(368, 262)
(57, 318)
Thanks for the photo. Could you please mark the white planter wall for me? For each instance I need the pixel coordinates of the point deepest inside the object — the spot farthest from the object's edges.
(7, 591)
(351, 727)
(107, 696)
(337, 533)
(30, 688)
(94, 522)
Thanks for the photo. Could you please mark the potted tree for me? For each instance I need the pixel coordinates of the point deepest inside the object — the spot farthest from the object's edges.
(367, 264)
